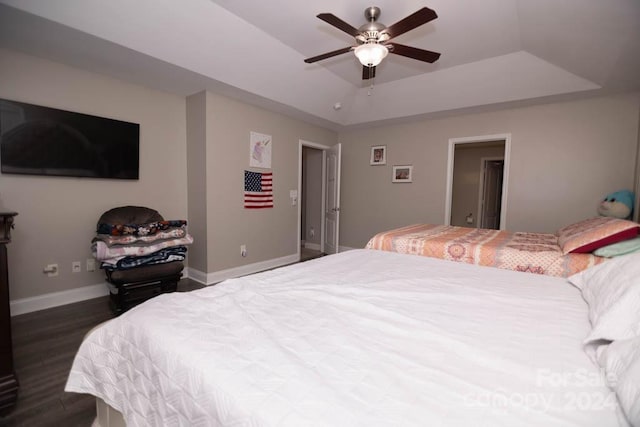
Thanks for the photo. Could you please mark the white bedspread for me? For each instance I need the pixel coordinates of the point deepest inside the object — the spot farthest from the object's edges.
(362, 338)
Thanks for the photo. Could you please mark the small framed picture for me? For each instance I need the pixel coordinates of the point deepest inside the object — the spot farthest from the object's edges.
(402, 173)
(378, 155)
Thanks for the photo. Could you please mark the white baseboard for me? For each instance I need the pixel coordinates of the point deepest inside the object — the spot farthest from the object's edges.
(54, 299)
(219, 276)
(196, 275)
(312, 246)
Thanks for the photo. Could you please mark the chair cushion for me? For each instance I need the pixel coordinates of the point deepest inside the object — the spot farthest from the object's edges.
(145, 273)
(130, 215)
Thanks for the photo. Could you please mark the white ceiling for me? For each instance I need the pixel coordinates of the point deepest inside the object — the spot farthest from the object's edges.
(494, 52)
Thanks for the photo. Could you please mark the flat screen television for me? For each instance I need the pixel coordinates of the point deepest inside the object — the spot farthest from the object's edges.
(36, 140)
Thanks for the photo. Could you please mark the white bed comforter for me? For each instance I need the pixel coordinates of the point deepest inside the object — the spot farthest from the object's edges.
(362, 338)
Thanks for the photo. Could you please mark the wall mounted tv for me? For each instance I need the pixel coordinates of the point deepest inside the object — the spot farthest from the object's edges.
(36, 140)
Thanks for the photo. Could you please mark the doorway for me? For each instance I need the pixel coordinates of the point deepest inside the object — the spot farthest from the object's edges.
(477, 179)
(490, 192)
(319, 195)
(311, 203)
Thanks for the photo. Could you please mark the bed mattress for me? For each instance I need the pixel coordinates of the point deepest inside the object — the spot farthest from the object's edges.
(537, 253)
(361, 338)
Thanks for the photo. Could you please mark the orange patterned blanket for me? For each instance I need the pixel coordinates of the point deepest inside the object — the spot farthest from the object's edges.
(529, 252)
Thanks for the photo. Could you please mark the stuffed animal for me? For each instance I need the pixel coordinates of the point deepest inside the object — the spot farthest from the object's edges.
(617, 205)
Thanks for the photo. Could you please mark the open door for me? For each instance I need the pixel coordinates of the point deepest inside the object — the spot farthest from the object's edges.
(332, 205)
(491, 194)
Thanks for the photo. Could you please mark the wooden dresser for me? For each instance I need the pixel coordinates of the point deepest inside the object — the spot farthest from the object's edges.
(8, 379)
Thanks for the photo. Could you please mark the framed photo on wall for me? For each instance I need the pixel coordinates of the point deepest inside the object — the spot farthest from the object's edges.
(402, 173)
(378, 155)
(260, 150)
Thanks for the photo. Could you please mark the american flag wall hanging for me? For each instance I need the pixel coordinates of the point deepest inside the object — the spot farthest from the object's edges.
(258, 190)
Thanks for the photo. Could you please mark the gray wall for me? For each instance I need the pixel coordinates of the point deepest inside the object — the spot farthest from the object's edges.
(267, 233)
(57, 215)
(564, 158)
(197, 178)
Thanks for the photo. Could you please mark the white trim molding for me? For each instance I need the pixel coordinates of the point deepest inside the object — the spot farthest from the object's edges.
(219, 276)
(197, 275)
(312, 246)
(55, 299)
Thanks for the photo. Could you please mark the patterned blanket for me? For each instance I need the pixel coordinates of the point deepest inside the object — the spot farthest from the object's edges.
(174, 253)
(171, 233)
(102, 252)
(520, 251)
(139, 229)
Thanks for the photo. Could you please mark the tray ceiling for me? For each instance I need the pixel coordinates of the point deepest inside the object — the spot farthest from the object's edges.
(494, 52)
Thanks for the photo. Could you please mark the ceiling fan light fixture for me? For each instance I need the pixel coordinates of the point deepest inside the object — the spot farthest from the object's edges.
(371, 54)
(373, 37)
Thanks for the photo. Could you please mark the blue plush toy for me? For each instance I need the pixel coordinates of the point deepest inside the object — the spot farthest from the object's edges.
(617, 205)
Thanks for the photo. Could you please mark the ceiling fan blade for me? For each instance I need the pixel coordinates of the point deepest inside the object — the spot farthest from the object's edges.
(412, 21)
(368, 72)
(328, 55)
(330, 18)
(413, 52)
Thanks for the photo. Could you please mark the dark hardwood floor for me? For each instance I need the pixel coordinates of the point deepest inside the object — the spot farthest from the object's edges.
(307, 254)
(44, 344)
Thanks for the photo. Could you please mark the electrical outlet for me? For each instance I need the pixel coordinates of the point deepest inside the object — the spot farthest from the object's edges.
(243, 250)
(91, 264)
(51, 270)
(76, 267)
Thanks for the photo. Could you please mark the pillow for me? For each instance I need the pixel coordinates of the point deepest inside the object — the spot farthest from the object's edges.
(612, 291)
(621, 363)
(620, 248)
(591, 234)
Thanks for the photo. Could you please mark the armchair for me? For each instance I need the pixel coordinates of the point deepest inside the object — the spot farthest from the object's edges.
(132, 285)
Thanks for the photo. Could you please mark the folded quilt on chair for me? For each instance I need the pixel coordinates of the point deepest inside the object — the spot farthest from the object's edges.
(174, 253)
(139, 229)
(103, 252)
(171, 233)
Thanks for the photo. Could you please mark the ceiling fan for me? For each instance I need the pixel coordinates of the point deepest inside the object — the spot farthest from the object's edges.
(374, 39)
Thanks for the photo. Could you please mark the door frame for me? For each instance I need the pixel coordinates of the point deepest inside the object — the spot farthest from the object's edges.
(506, 137)
(481, 186)
(302, 143)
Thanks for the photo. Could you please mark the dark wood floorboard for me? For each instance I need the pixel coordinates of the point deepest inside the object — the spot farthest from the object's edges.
(306, 254)
(44, 345)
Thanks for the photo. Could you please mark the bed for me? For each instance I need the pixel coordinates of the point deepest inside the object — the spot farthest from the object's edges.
(360, 338)
(562, 254)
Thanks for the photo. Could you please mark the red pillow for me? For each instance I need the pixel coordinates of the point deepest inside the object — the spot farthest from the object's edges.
(591, 234)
